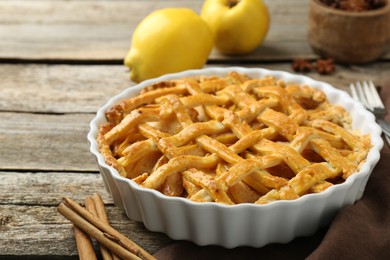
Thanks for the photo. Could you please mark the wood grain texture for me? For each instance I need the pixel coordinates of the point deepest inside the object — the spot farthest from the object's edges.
(72, 30)
(46, 88)
(45, 142)
(31, 225)
(28, 188)
(59, 88)
(102, 30)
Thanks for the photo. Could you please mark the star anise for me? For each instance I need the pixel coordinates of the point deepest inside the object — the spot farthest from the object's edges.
(302, 65)
(325, 66)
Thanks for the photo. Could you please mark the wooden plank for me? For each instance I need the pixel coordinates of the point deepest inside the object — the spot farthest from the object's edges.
(41, 231)
(29, 222)
(31, 225)
(84, 88)
(48, 188)
(57, 142)
(45, 142)
(102, 30)
(59, 88)
(71, 30)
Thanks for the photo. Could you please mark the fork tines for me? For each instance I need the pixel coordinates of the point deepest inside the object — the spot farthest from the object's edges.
(366, 93)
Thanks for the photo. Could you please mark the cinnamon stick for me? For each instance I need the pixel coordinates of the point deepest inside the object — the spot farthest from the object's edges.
(94, 232)
(84, 245)
(102, 214)
(94, 208)
(100, 208)
(100, 225)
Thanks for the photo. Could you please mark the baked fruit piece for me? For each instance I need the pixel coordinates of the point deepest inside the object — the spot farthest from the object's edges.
(232, 139)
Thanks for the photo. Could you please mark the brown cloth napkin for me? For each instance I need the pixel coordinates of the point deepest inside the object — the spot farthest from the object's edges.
(359, 231)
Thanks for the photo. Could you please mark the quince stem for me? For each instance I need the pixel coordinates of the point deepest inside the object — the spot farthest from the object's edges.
(232, 3)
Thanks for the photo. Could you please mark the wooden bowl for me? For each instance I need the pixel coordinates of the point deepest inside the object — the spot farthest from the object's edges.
(346, 36)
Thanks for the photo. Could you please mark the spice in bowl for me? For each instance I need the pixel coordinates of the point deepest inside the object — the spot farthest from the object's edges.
(349, 31)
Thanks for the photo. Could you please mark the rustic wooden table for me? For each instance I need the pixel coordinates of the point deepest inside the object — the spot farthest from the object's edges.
(59, 62)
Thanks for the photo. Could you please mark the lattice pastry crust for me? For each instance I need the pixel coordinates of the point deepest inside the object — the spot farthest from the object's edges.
(232, 139)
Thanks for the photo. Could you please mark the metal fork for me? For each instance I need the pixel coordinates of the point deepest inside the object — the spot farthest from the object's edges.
(367, 94)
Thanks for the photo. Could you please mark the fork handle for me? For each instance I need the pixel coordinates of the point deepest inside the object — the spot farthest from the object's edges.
(385, 126)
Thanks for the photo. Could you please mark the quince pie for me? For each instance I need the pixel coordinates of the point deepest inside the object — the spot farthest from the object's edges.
(232, 139)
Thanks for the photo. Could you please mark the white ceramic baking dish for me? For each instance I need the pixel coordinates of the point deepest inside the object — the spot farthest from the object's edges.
(244, 224)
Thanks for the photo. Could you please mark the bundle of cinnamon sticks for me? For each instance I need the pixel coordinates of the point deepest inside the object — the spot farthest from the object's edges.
(92, 222)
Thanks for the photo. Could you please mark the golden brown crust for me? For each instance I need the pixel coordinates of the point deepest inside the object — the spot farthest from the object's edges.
(232, 139)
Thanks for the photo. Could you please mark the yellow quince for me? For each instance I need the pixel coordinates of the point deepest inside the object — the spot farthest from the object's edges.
(240, 26)
(166, 41)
